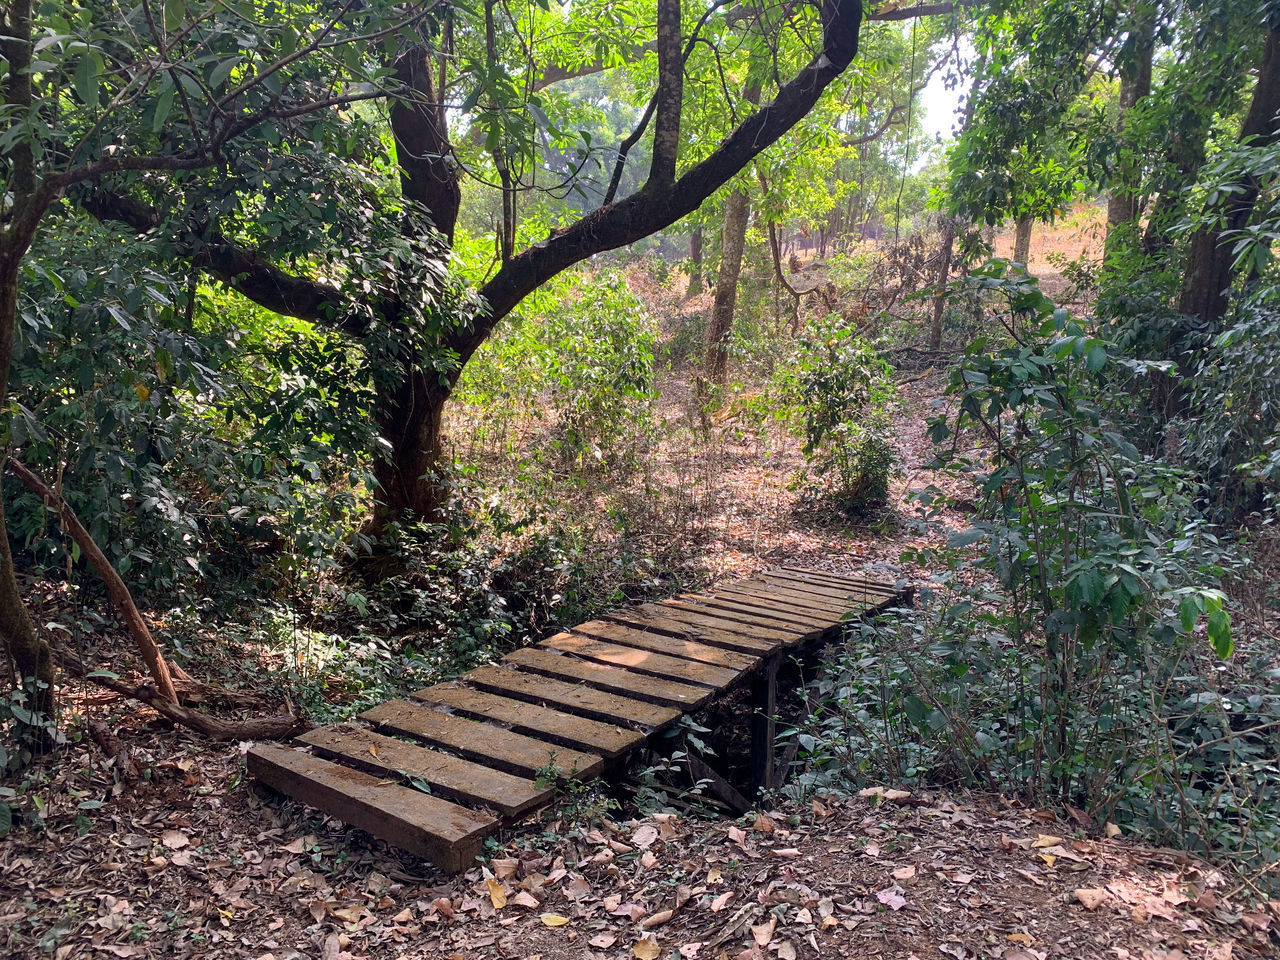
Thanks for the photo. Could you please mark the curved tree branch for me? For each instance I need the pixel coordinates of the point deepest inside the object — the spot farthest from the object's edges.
(652, 208)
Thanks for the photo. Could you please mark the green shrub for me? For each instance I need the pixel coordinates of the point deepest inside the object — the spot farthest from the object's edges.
(833, 391)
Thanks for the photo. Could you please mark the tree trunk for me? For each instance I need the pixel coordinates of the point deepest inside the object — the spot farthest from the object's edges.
(695, 262)
(410, 419)
(1022, 241)
(736, 212)
(946, 250)
(1135, 84)
(1208, 276)
(27, 650)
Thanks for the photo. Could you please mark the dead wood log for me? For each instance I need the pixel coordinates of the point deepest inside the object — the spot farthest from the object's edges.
(116, 587)
(276, 727)
(113, 749)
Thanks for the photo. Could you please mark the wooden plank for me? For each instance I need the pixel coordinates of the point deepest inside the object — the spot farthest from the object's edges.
(446, 834)
(593, 736)
(719, 787)
(827, 616)
(672, 646)
(645, 661)
(756, 608)
(703, 631)
(764, 702)
(448, 776)
(868, 591)
(689, 622)
(852, 581)
(573, 697)
(494, 746)
(562, 666)
(741, 622)
(831, 607)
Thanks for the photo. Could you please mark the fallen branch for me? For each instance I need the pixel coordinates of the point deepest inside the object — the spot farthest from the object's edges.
(277, 727)
(116, 588)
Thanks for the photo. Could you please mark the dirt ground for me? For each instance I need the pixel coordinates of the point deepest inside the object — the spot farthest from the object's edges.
(193, 861)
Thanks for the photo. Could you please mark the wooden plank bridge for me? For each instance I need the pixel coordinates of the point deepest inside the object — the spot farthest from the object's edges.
(580, 702)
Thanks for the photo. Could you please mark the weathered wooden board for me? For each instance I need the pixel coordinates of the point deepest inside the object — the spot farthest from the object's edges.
(741, 622)
(638, 686)
(834, 609)
(783, 618)
(448, 835)
(672, 646)
(448, 776)
(678, 617)
(593, 736)
(839, 591)
(854, 583)
(703, 630)
(573, 697)
(484, 742)
(645, 661)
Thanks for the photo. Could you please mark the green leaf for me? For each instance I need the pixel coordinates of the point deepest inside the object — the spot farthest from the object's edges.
(163, 105)
(223, 70)
(174, 13)
(6, 819)
(1220, 634)
(1096, 358)
(86, 78)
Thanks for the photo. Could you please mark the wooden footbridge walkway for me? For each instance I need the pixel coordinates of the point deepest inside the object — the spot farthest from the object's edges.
(581, 701)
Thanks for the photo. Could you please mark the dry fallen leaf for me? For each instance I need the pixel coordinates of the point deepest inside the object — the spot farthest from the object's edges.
(903, 874)
(719, 902)
(644, 836)
(497, 896)
(763, 823)
(1045, 840)
(1112, 830)
(174, 839)
(892, 897)
(554, 920)
(714, 877)
(786, 951)
(525, 899)
(1091, 898)
(657, 919)
(646, 949)
(763, 932)
(603, 941)
(503, 869)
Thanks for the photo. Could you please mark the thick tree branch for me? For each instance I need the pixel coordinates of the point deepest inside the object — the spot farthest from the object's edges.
(239, 267)
(891, 13)
(650, 209)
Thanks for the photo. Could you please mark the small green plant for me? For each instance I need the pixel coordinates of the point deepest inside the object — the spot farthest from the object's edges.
(833, 391)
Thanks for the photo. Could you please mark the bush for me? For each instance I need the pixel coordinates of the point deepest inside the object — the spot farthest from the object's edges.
(833, 391)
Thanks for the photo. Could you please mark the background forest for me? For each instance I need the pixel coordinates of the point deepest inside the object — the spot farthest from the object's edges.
(346, 346)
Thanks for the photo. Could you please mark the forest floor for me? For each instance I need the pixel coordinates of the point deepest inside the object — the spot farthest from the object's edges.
(194, 861)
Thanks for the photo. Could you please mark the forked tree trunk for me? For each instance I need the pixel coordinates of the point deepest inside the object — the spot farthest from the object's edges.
(1022, 241)
(695, 263)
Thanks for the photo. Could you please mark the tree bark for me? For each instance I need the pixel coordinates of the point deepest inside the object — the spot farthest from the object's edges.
(1135, 84)
(410, 418)
(737, 210)
(1022, 241)
(1209, 264)
(695, 262)
(946, 251)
